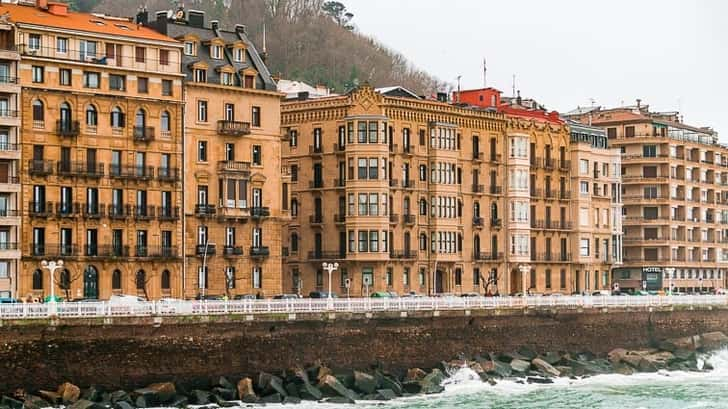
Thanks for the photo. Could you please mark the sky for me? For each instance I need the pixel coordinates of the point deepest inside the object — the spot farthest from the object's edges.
(673, 55)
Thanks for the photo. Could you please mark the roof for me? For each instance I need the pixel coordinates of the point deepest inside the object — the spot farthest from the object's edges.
(582, 110)
(93, 23)
(397, 91)
(292, 88)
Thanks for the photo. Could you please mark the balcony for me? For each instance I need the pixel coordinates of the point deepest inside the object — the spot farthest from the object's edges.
(105, 251)
(326, 255)
(259, 251)
(478, 222)
(53, 250)
(89, 170)
(258, 212)
(202, 250)
(143, 134)
(551, 257)
(495, 190)
(487, 256)
(535, 162)
(339, 182)
(393, 218)
(40, 167)
(316, 184)
(168, 174)
(549, 194)
(408, 184)
(339, 149)
(564, 195)
(496, 223)
(478, 188)
(315, 150)
(408, 150)
(316, 220)
(393, 182)
(495, 158)
(339, 218)
(535, 192)
(233, 128)
(118, 212)
(140, 173)
(232, 251)
(168, 213)
(233, 166)
(204, 210)
(143, 213)
(548, 163)
(478, 156)
(409, 219)
(68, 209)
(93, 211)
(40, 209)
(405, 254)
(564, 164)
(67, 129)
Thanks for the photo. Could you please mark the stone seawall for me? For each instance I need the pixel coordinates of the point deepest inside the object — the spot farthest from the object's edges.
(130, 352)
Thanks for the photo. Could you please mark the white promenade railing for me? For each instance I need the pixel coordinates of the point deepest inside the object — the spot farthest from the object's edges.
(356, 305)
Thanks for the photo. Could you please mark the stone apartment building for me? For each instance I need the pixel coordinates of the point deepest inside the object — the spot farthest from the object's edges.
(675, 190)
(101, 142)
(408, 194)
(235, 188)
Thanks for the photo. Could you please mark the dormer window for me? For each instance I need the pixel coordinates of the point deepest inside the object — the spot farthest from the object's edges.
(226, 78)
(238, 54)
(200, 75)
(216, 52)
(190, 48)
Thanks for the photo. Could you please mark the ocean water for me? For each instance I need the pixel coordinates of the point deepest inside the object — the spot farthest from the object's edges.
(662, 390)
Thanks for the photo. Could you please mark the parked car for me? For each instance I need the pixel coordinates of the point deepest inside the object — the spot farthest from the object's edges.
(412, 294)
(170, 300)
(381, 294)
(470, 295)
(286, 297)
(209, 297)
(86, 300)
(600, 292)
(321, 294)
(8, 300)
(125, 299)
(244, 297)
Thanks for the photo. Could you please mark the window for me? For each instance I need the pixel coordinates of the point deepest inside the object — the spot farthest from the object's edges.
(226, 78)
(216, 52)
(256, 117)
(257, 155)
(583, 166)
(629, 131)
(584, 187)
(38, 72)
(293, 134)
(34, 42)
(38, 110)
(142, 85)
(238, 54)
(584, 247)
(163, 57)
(611, 133)
(91, 116)
(37, 280)
(458, 276)
(117, 118)
(201, 111)
(91, 79)
(200, 75)
(64, 76)
(294, 242)
(140, 54)
(61, 45)
(167, 88)
(190, 48)
(165, 122)
(87, 50)
(117, 82)
(116, 280)
(257, 277)
(202, 151)
(649, 151)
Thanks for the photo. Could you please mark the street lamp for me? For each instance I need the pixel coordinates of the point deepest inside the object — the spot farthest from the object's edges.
(52, 266)
(670, 274)
(524, 269)
(202, 279)
(330, 267)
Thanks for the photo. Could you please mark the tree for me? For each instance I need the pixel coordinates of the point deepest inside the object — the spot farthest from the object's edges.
(492, 280)
(142, 279)
(337, 11)
(65, 281)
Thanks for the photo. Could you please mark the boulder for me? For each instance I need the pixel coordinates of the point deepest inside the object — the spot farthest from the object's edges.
(119, 396)
(93, 393)
(269, 384)
(647, 366)
(272, 398)
(713, 340)
(687, 343)
(684, 355)
(201, 397)
(477, 368)
(666, 345)
(364, 382)
(498, 368)
(317, 372)
(35, 402)
(223, 394)
(527, 353)
(292, 389)
(552, 358)
(11, 403)
(415, 374)
(565, 371)
(122, 404)
(245, 389)
(385, 394)
(519, 365)
(291, 400)
(69, 392)
(297, 375)
(622, 368)
(225, 383)
(432, 382)
(52, 397)
(616, 355)
(510, 356)
(545, 367)
(340, 400)
(330, 386)
(585, 356)
(165, 390)
(309, 392)
(386, 382)
(85, 404)
(145, 397)
(411, 387)
(179, 401)
(538, 379)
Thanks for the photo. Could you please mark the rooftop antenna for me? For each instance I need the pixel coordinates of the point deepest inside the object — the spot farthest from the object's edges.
(264, 48)
(592, 100)
(459, 76)
(485, 71)
(513, 87)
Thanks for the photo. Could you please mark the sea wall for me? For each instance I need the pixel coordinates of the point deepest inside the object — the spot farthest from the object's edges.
(129, 352)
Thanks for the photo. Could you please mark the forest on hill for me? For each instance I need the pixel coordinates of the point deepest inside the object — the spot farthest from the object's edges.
(309, 40)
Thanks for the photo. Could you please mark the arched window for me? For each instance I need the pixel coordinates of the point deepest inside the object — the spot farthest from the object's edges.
(423, 207)
(37, 280)
(117, 118)
(65, 280)
(38, 110)
(476, 209)
(140, 120)
(166, 280)
(141, 279)
(164, 122)
(532, 279)
(423, 242)
(92, 118)
(294, 207)
(406, 206)
(494, 211)
(294, 242)
(476, 246)
(116, 280)
(65, 116)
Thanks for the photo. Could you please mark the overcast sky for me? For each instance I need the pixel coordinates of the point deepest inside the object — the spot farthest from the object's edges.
(671, 54)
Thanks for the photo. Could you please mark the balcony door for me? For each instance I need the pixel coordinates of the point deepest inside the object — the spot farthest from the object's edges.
(257, 197)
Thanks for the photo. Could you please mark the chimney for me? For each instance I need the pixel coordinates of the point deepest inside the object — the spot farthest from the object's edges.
(215, 25)
(518, 98)
(196, 18)
(58, 9)
(142, 16)
(639, 103)
(241, 28)
(442, 96)
(42, 4)
(303, 95)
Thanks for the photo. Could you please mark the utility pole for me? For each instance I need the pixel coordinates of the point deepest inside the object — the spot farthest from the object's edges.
(485, 71)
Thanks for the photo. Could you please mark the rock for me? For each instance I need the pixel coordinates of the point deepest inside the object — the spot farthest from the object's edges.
(707, 366)
(291, 400)
(498, 368)
(250, 399)
(69, 392)
(432, 382)
(330, 386)
(477, 368)
(552, 358)
(652, 362)
(142, 402)
(415, 374)
(34, 402)
(165, 390)
(122, 404)
(225, 383)
(119, 396)
(11, 403)
(226, 404)
(538, 379)
(510, 356)
(309, 392)
(385, 394)
(713, 340)
(386, 382)
(581, 368)
(339, 400)
(201, 397)
(269, 384)
(317, 373)
(364, 383)
(85, 404)
(646, 366)
(179, 401)
(527, 353)
(622, 368)
(223, 394)
(297, 375)
(411, 387)
(684, 355)
(585, 356)
(519, 365)
(146, 397)
(292, 389)
(93, 393)
(632, 359)
(616, 355)
(346, 379)
(272, 398)
(564, 370)
(666, 345)
(687, 343)
(245, 389)
(53, 397)
(545, 367)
